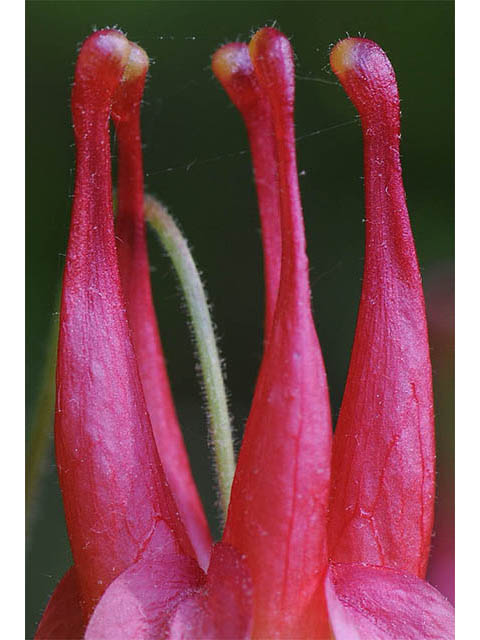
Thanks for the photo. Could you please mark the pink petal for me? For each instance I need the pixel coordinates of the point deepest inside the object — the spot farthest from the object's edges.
(374, 603)
(383, 480)
(140, 601)
(277, 514)
(223, 607)
(135, 275)
(62, 618)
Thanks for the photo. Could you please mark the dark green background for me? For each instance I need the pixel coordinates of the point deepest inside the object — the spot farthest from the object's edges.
(196, 164)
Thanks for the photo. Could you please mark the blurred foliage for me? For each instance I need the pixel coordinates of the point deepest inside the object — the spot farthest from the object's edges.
(196, 163)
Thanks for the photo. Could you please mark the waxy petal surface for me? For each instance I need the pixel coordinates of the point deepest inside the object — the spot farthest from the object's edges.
(62, 618)
(135, 276)
(139, 603)
(166, 595)
(279, 497)
(383, 490)
(233, 67)
(374, 603)
(114, 489)
(222, 608)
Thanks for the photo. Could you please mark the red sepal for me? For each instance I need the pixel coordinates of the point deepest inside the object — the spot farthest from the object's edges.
(374, 603)
(139, 603)
(166, 595)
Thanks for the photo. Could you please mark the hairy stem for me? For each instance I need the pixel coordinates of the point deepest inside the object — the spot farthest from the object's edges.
(204, 335)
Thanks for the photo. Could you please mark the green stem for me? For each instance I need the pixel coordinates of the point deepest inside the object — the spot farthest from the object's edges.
(195, 297)
(41, 430)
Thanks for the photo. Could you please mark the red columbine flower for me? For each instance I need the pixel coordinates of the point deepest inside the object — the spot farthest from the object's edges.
(313, 544)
